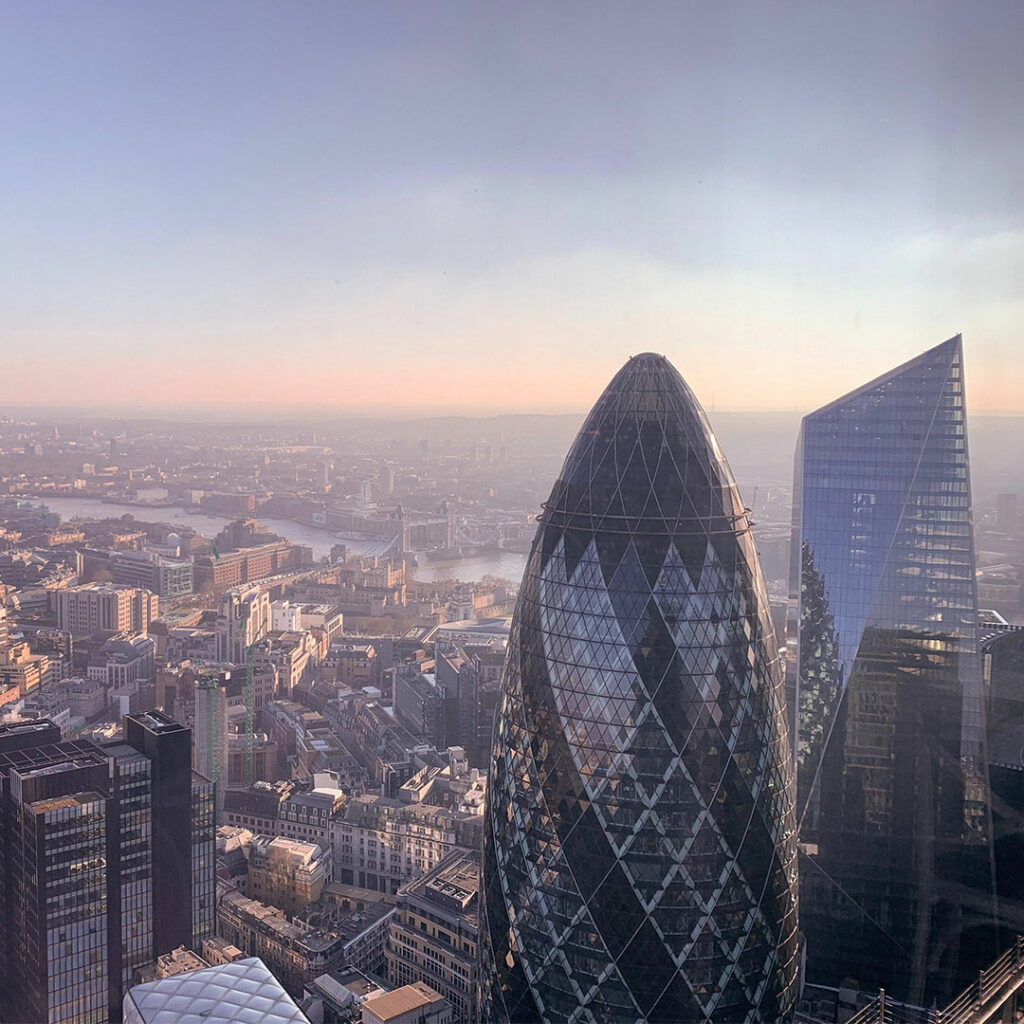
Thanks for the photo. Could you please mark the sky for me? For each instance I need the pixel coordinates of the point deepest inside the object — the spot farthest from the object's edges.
(488, 207)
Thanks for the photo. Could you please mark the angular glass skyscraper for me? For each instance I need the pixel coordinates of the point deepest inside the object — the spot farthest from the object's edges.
(640, 849)
(896, 890)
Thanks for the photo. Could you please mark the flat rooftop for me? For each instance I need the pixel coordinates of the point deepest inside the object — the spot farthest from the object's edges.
(403, 1000)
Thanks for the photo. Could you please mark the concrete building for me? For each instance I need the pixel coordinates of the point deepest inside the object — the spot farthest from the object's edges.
(87, 697)
(419, 704)
(243, 617)
(167, 577)
(434, 935)
(52, 703)
(297, 615)
(171, 965)
(257, 807)
(123, 661)
(287, 874)
(354, 664)
(292, 655)
(301, 811)
(22, 670)
(231, 568)
(320, 940)
(381, 844)
(93, 607)
(217, 951)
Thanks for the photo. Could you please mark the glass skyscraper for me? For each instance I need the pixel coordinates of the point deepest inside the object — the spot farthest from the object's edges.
(892, 804)
(640, 848)
(104, 864)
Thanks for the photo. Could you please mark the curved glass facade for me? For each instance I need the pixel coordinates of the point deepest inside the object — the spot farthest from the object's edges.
(640, 854)
(896, 890)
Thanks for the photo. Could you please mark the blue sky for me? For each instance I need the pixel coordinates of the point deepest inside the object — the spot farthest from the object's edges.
(470, 206)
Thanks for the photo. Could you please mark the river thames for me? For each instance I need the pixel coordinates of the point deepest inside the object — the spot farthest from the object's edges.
(504, 564)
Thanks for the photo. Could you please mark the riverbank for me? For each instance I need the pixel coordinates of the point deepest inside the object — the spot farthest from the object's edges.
(504, 564)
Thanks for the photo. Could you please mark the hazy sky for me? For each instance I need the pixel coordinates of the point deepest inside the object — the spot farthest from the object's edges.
(463, 206)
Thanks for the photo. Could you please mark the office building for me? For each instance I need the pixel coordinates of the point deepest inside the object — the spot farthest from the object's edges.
(298, 949)
(124, 661)
(420, 704)
(287, 874)
(434, 936)
(212, 690)
(22, 671)
(640, 848)
(303, 811)
(458, 680)
(1007, 512)
(893, 811)
(381, 844)
(170, 965)
(167, 577)
(103, 864)
(95, 607)
(243, 617)
(231, 568)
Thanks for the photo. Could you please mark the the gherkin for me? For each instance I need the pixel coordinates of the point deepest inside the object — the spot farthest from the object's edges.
(640, 849)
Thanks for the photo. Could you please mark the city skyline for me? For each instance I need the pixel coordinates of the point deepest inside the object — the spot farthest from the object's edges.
(199, 195)
(490, 529)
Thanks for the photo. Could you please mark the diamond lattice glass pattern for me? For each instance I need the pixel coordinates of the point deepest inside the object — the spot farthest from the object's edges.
(640, 859)
(242, 992)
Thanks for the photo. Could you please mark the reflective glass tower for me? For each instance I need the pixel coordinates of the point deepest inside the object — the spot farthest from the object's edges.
(640, 851)
(92, 882)
(896, 887)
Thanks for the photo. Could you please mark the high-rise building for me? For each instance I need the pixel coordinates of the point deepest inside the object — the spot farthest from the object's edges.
(243, 617)
(211, 726)
(893, 811)
(93, 607)
(640, 847)
(105, 865)
(1007, 512)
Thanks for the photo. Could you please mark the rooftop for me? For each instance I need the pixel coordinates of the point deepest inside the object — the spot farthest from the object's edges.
(395, 1004)
(235, 993)
(453, 885)
(319, 927)
(498, 627)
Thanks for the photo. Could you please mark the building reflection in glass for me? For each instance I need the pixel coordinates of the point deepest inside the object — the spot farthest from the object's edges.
(893, 812)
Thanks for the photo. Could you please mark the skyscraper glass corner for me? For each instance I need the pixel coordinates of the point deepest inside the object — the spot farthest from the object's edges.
(640, 847)
(892, 794)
